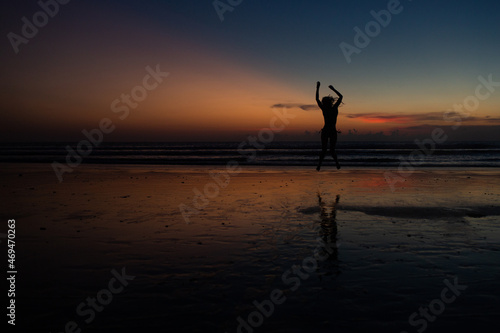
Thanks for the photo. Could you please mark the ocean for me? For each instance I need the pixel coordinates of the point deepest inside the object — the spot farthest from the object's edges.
(350, 154)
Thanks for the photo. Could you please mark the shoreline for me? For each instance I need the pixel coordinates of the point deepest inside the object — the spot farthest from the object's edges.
(327, 170)
(325, 167)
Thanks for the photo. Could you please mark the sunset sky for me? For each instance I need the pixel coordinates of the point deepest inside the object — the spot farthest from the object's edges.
(226, 76)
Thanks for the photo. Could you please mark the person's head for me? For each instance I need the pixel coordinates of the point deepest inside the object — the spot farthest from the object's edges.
(328, 101)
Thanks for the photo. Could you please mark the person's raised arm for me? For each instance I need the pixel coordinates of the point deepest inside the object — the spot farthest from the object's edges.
(317, 95)
(339, 100)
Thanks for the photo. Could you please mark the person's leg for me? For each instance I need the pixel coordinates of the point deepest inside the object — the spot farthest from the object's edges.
(324, 148)
(333, 143)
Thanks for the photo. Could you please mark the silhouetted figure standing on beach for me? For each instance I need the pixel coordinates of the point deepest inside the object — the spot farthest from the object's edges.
(330, 108)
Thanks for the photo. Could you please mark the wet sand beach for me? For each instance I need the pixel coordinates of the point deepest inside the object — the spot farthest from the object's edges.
(264, 250)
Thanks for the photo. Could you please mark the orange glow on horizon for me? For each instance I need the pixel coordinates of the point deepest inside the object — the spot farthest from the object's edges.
(206, 95)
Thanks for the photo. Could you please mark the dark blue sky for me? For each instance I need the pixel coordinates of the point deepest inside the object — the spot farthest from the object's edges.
(427, 58)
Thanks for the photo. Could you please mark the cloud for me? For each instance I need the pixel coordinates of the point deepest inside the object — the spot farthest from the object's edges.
(489, 118)
(416, 117)
(305, 107)
(310, 107)
(396, 118)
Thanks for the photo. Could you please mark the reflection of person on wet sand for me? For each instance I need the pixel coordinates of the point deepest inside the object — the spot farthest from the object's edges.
(328, 224)
(330, 108)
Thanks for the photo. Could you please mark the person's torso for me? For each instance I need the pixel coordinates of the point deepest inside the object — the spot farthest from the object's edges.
(330, 117)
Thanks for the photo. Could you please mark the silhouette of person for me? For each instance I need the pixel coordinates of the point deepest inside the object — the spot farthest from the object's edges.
(330, 108)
